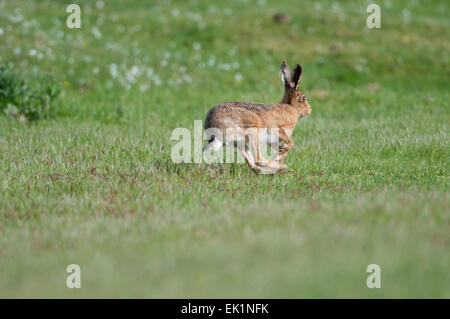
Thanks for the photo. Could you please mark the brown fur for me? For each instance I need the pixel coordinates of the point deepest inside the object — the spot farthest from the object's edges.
(282, 116)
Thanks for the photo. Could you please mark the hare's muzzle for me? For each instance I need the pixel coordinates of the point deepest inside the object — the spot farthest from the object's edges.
(306, 110)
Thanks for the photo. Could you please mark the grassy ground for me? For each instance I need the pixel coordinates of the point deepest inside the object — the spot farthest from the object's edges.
(95, 185)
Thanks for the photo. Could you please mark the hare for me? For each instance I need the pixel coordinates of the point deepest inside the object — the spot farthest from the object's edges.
(247, 124)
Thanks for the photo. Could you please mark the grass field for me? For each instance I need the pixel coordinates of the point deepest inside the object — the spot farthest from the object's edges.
(94, 185)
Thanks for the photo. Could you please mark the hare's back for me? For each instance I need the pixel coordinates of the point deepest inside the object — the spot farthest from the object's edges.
(236, 114)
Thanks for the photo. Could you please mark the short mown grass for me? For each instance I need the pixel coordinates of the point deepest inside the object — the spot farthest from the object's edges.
(94, 185)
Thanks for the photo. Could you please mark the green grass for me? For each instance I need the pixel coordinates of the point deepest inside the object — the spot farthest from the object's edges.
(368, 179)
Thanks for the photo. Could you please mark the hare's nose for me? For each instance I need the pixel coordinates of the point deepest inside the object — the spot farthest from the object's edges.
(303, 98)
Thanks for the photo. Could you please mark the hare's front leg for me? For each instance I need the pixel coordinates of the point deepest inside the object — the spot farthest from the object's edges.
(282, 148)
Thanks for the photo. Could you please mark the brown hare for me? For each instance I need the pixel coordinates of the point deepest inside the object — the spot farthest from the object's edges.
(247, 124)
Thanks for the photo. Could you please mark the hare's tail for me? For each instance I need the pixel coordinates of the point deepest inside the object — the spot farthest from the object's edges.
(213, 146)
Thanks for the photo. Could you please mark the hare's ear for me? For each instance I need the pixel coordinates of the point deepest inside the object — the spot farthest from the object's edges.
(297, 76)
(286, 76)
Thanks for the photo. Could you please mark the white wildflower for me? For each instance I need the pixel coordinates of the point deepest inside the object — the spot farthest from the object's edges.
(196, 46)
(224, 66)
(187, 79)
(211, 61)
(157, 80)
(175, 13)
(134, 70)
(406, 15)
(96, 32)
(113, 70)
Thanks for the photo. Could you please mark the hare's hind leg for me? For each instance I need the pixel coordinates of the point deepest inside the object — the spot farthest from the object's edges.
(247, 156)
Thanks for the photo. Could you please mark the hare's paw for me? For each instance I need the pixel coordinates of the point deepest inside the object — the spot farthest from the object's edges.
(273, 164)
(256, 168)
(279, 165)
(264, 162)
(268, 170)
(282, 167)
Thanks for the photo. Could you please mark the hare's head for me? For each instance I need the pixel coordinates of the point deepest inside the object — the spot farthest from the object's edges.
(291, 94)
